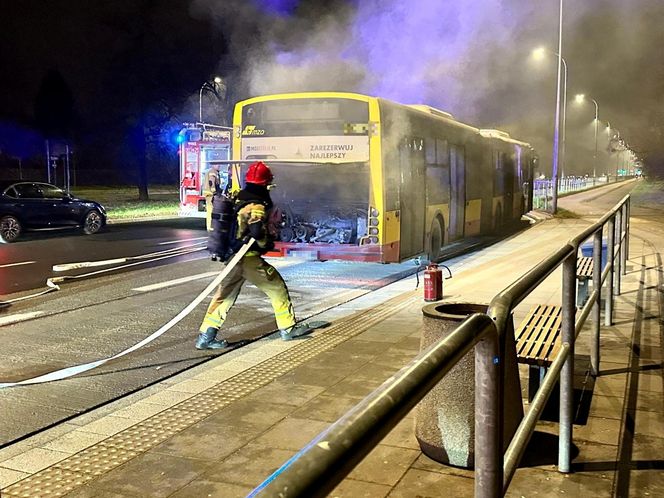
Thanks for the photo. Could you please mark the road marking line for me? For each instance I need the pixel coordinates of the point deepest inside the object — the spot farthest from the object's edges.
(169, 283)
(184, 280)
(177, 281)
(181, 240)
(19, 317)
(17, 264)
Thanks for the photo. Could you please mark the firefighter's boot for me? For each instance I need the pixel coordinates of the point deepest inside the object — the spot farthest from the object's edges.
(295, 331)
(207, 340)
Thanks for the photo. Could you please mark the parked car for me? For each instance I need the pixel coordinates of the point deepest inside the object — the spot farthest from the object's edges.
(34, 205)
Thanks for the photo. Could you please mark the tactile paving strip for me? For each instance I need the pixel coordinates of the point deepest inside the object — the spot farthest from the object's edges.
(96, 460)
(53, 481)
(105, 456)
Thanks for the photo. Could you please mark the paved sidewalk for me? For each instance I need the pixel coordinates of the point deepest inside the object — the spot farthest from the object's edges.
(221, 428)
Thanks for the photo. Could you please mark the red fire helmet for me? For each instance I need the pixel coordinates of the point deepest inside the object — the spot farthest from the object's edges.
(259, 173)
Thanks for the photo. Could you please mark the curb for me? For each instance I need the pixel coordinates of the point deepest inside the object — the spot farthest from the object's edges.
(111, 221)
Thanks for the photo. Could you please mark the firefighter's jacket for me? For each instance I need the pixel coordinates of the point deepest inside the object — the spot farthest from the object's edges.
(212, 182)
(253, 205)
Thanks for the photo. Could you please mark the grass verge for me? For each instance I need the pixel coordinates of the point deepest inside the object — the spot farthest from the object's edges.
(122, 203)
(565, 214)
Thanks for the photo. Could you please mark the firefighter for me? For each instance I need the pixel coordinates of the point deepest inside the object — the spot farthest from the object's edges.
(212, 186)
(253, 205)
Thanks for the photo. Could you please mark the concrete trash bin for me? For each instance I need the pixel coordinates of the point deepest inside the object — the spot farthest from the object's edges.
(445, 418)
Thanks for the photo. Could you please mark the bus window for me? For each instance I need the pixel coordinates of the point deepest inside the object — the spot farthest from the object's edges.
(438, 184)
(392, 180)
(442, 153)
(519, 165)
(498, 180)
(430, 151)
(305, 117)
(458, 192)
(438, 172)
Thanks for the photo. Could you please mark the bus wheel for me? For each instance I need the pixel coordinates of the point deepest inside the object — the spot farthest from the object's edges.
(435, 240)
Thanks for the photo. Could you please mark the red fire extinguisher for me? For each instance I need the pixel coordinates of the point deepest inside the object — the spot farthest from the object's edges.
(433, 281)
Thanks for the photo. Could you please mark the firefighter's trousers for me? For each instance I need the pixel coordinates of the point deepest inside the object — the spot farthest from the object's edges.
(208, 212)
(264, 276)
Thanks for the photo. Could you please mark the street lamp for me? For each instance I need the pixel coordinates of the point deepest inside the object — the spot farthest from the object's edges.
(580, 98)
(618, 148)
(556, 133)
(538, 54)
(212, 87)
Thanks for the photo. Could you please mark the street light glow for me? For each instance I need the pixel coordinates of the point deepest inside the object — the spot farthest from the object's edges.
(217, 79)
(539, 53)
(580, 97)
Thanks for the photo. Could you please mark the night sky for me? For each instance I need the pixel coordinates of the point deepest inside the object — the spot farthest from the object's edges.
(118, 70)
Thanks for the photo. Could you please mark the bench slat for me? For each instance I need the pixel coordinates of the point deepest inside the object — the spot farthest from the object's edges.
(537, 337)
(584, 267)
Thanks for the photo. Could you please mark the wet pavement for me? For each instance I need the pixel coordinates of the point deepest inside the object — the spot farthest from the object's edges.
(220, 428)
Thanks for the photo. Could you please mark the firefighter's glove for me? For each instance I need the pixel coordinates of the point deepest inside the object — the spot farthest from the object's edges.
(256, 230)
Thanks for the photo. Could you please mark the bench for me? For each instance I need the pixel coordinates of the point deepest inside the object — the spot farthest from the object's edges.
(537, 342)
(584, 275)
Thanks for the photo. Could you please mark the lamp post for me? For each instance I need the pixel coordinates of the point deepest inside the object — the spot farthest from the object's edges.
(207, 86)
(580, 98)
(618, 149)
(538, 54)
(608, 137)
(556, 129)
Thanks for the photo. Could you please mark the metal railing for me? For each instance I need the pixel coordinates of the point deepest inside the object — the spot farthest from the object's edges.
(327, 459)
(617, 228)
(543, 187)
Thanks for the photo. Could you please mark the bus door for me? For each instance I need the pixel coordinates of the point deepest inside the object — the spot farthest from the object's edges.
(412, 197)
(458, 191)
(509, 177)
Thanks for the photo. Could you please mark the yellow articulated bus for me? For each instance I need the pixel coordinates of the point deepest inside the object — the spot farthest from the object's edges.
(366, 179)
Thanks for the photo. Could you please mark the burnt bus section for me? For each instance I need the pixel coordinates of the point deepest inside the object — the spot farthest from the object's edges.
(320, 203)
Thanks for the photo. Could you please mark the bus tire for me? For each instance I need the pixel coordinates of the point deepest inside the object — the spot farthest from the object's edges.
(435, 240)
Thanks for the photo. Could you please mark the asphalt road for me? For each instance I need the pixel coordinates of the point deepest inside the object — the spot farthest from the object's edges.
(27, 263)
(97, 317)
(94, 318)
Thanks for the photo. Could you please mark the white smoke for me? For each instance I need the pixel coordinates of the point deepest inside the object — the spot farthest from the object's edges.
(466, 57)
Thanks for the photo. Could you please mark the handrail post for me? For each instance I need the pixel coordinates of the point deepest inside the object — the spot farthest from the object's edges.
(567, 373)
(623, 243)
(629, 210)
(597, 279)
(618, 240)
(488, 418)
(610, 232)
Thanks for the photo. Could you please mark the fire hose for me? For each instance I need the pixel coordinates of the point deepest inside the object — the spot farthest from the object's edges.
(67, 372)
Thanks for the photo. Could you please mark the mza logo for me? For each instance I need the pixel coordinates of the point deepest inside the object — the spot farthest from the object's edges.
(252, 130)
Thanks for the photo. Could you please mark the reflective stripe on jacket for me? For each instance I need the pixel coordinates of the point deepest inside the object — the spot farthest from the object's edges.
(251, 213)
(212, 182)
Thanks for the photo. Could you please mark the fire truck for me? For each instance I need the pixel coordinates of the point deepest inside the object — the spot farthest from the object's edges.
(200, 143)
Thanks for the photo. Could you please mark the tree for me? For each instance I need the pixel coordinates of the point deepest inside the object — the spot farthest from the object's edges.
(161, 58)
